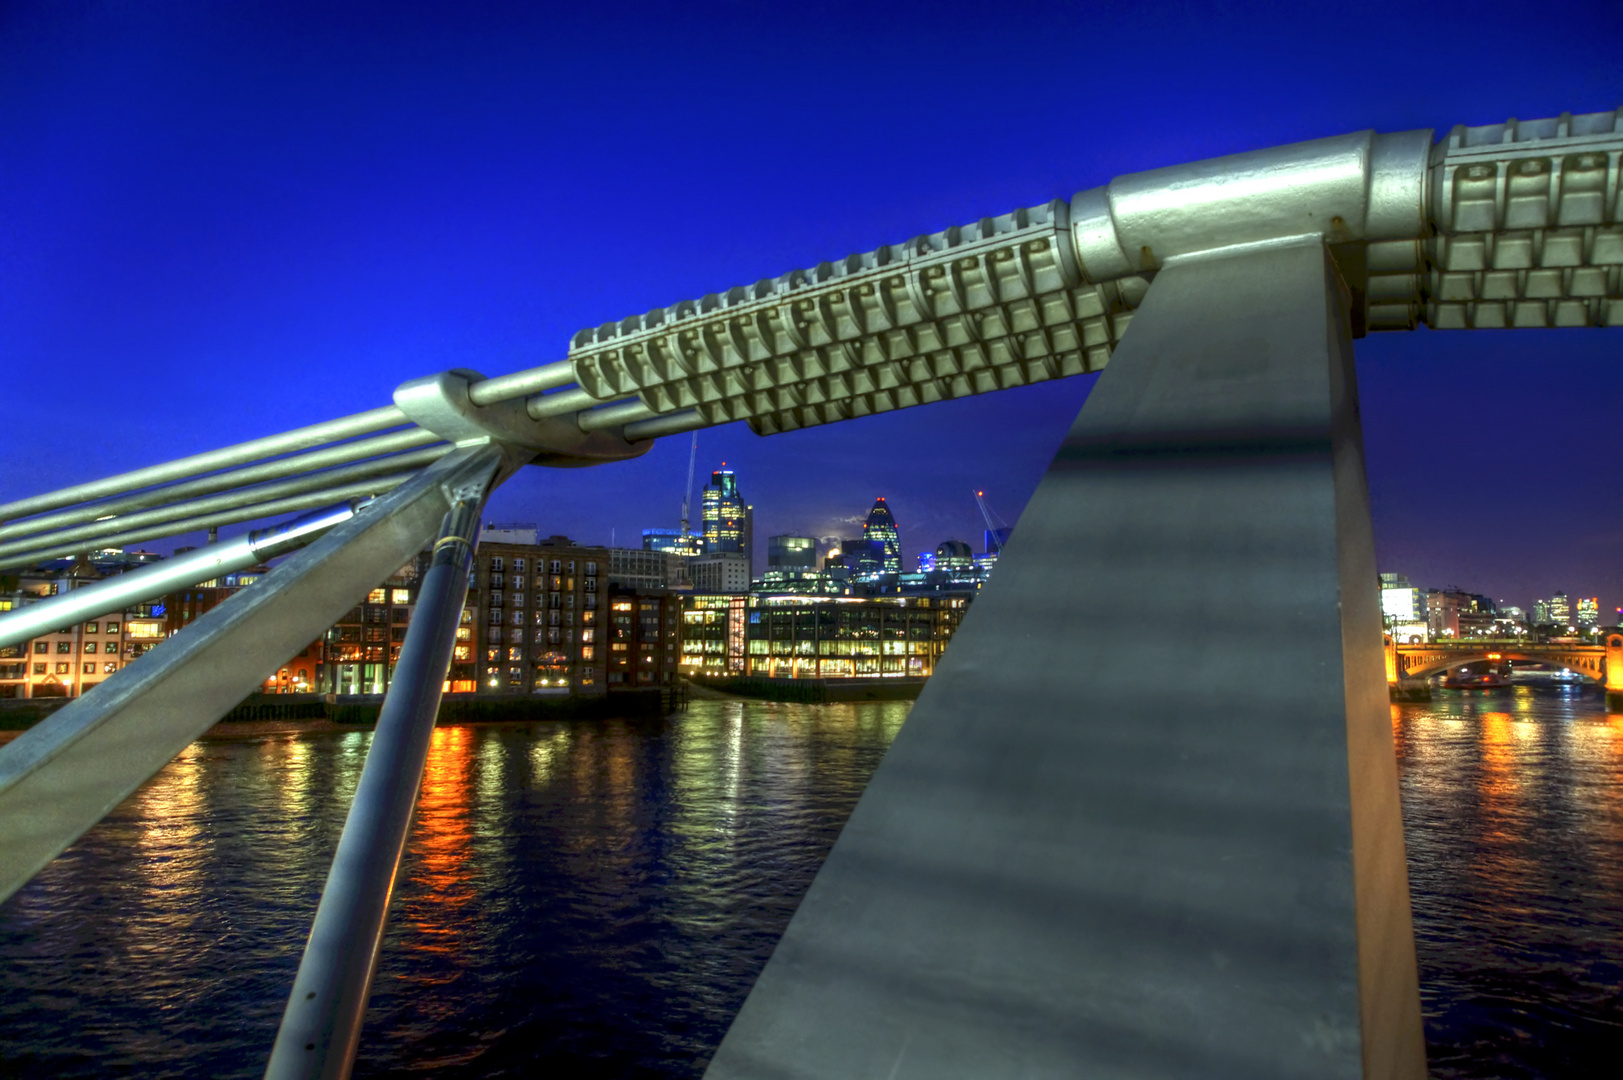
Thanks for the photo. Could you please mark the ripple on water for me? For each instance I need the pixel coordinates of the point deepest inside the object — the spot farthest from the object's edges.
(594, 899)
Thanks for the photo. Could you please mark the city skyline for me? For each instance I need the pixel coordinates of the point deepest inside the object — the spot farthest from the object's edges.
(249, 219)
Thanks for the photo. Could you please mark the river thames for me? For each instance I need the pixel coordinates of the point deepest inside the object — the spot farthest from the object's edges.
(593, 899)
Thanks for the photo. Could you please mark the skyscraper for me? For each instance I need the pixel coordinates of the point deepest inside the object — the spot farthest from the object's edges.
(1589, 611)
(723, 514)
(881, 551)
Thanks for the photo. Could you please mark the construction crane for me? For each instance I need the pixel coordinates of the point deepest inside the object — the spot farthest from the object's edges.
(997, 530)
(687, 492)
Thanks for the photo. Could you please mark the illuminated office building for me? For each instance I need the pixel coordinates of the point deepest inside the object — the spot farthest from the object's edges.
(791, 553)
(1560, 609)
(802, 637)
(881, 550)
(729, 522)
(1589, 611)
(674, 541)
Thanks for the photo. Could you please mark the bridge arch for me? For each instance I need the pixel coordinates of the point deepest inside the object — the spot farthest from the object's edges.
(1421, 665)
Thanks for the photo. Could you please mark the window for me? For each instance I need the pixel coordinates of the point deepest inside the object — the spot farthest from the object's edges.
(517, 582)
(112, 628)
(495, 618)
(495, 633)
(518, 566)
(492, 655)
(591, 569)
(39, 669)
(556, 567)
(402, 614)
(464, 633)
(586, 652)
(518, 599)
(375, 596)
(62, 669)
(90, 628)
(462, 652)
(515, 654)
(42, 647)
(400, 596)
(90, 669)
(518, 618)
(588, 635)
(64, 646)
(497, 581)
(496, 565)
(90, 648)
(588, 617)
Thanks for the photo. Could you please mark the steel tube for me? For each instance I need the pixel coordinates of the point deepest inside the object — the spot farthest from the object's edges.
(253, 474)
(320, 481)
(321, 1026)
(522, 383)
(155, 579)
(613, 415)
(208, 521)
(560, 403)
(668, 424)
(298, 439)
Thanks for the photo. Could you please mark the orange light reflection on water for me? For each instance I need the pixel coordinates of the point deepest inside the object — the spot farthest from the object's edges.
(440, 843)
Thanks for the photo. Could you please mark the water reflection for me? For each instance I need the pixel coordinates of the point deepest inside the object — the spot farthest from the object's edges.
(596, 898)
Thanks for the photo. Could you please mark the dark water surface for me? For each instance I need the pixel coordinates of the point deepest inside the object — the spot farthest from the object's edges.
(594, 899)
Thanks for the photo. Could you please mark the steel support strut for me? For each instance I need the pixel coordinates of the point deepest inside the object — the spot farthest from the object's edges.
(60, 777)
(321, 1026)
(1096, 849)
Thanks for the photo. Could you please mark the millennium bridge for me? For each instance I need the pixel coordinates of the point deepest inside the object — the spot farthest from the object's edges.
(1057, 870)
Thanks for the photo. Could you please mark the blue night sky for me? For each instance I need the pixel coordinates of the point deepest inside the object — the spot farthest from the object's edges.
(221, 220)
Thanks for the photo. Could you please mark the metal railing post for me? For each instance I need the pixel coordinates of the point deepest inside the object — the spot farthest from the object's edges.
(322, 1023)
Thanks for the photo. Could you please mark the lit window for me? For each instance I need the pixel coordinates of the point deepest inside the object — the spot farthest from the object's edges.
(90, 647)
(39, 669)
(586, 652)
(400, 596)
(375, 596)
(112, 628)
(64, 646)
(42, 647)
(90, 628)
(515, 654)
(62, 669)
(109, 668)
